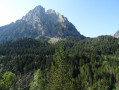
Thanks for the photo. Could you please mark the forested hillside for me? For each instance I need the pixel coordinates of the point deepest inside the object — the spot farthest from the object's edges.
(70, 64)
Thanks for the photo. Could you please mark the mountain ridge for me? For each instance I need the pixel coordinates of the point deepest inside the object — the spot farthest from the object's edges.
(39, 22)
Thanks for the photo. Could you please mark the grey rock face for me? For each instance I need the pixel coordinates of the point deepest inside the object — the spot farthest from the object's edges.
(39, 22)
(116, 34)
(50, 23)
(35, 15)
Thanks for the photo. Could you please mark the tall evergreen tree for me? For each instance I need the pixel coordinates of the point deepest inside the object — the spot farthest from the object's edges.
(38, 82)
(60, 73)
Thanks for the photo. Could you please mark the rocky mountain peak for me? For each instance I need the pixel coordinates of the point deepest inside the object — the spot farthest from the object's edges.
(39, 22)
(35, 16)
(50, 22)
(39, 8)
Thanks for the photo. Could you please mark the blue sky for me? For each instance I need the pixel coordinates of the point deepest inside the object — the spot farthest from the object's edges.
(91, 17)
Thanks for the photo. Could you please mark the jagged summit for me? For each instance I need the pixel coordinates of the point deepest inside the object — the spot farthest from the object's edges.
(39, 22)
(38, 14)
(50, 23)
(35, 15)
(39, 7)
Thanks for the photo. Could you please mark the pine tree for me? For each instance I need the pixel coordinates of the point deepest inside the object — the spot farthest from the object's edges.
(60, 74)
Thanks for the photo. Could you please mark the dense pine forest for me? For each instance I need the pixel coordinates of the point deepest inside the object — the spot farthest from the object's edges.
(72, 63)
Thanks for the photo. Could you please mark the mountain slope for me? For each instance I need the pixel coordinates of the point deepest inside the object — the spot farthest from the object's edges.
(39, 22)
(78, 62)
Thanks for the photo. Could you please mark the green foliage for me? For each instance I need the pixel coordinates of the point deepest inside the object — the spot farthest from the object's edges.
(7, 80)
(38, 82)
